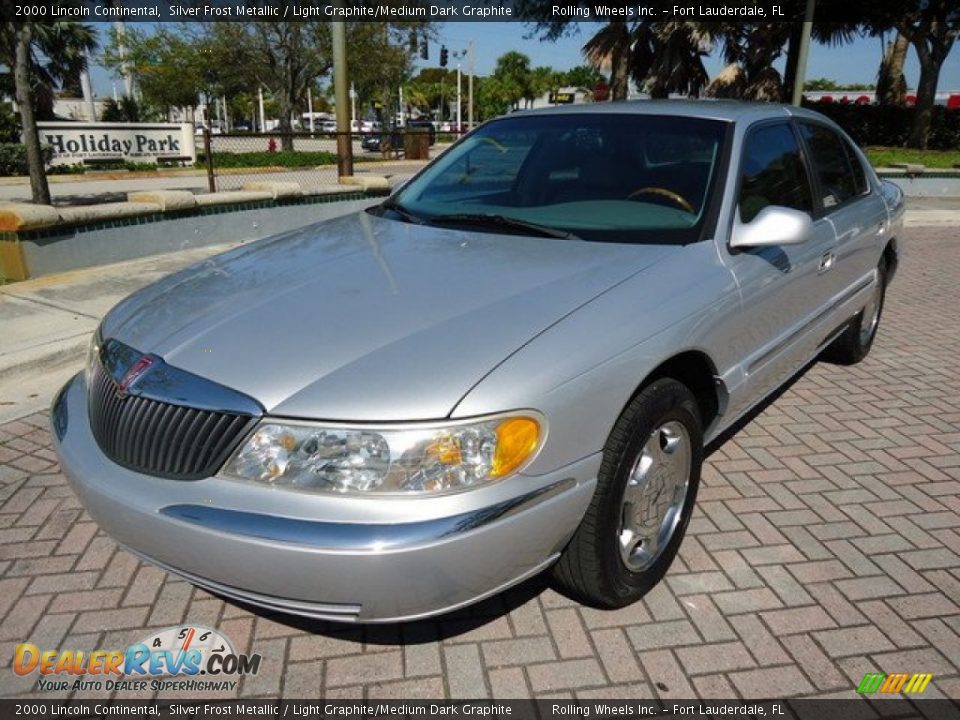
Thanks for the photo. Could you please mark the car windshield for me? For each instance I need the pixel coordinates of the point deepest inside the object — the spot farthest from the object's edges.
(598, 176)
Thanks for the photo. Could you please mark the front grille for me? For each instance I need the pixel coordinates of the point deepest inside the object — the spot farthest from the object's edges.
(161, 438)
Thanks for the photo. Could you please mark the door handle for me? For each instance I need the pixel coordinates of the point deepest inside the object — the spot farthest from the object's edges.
(826, 262)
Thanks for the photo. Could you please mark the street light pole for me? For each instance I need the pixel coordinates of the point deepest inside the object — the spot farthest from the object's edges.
(310, 107)
(342, 92)
(470, 89)
(263, 118)
(458, 97)
(353, 107)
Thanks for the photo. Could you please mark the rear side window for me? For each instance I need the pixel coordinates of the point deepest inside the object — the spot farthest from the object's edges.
(840, 174)
(859, 176)
(772, 172)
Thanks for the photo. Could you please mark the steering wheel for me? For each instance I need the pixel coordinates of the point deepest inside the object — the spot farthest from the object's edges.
(663, 192)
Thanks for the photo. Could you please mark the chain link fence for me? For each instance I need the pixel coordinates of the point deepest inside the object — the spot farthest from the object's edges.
(310, 159)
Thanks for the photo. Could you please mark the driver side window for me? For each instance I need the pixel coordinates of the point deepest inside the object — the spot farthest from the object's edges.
(772, 172)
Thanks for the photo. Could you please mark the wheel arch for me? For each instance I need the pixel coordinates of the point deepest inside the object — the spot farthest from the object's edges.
(892, 257)
(696, 370)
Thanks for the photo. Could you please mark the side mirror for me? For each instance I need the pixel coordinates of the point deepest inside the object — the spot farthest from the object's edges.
(774, 225)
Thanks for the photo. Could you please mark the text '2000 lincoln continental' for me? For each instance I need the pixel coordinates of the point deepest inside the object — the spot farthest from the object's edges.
(512, 364)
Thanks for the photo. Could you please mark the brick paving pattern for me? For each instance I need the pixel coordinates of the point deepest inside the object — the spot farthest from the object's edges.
(826, 545)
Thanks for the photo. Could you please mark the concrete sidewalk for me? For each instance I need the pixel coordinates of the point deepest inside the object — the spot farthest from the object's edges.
(45, 324)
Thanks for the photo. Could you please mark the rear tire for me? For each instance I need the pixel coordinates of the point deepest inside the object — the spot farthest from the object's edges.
(646, 490)
(855, 342)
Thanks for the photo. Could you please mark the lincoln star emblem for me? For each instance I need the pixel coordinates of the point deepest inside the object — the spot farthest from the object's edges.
(133, 374)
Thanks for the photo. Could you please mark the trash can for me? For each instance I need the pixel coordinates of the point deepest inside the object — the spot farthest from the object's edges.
(416, 144)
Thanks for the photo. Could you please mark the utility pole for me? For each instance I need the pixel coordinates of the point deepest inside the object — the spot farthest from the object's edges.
(802, 54)
(458, 97)
(470, 88)
(341, 92)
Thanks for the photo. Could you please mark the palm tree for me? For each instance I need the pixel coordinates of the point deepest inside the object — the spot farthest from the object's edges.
(671, 59)
(891, 84)
(611, 45)
(660, 57)
(750, 49)
(42, 56)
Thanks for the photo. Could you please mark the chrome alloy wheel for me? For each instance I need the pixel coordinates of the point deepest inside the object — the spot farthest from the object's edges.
(654, 497)
(871, 314)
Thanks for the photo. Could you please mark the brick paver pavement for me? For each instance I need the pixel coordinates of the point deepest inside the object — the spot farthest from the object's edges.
(826, 545)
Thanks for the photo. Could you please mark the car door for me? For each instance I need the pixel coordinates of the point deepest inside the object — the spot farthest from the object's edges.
(782, 288)
(843, 197)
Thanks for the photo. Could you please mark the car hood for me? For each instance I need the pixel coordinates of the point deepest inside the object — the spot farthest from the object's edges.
(364, 318)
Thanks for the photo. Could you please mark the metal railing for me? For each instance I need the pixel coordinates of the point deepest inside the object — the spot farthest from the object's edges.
(310, 159)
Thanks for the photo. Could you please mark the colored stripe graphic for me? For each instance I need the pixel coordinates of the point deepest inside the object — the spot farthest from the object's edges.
(894, 683)
(871, 683)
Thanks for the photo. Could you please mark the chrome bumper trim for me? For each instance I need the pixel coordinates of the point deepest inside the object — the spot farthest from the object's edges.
(355, 537)
(337, 612)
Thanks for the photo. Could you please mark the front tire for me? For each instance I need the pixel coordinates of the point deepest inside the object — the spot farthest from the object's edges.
(855, 342)
(646, 490)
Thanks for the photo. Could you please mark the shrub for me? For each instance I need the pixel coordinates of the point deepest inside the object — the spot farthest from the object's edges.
(269, 159)
(13, 158)
(889, 125)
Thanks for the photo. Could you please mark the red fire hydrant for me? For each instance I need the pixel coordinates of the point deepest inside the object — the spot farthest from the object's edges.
(272, 145)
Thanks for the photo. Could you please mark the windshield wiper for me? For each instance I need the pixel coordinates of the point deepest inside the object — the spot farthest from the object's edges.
(501, 221)
(402, 211)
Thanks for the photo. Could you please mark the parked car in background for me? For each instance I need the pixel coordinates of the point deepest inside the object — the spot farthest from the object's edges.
(512, 364)
(380, 141)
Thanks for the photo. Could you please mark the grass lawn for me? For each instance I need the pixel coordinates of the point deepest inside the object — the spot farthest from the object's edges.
(885, 156)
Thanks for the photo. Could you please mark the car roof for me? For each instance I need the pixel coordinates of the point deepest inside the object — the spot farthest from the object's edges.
(728, 110)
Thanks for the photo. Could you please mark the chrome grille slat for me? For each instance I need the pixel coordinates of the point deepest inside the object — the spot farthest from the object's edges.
(161, 438)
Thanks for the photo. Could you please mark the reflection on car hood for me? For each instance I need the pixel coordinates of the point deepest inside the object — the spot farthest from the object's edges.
(363, 318)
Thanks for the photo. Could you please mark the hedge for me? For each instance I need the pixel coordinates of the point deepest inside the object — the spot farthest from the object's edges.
(889, 125)
(13, 158)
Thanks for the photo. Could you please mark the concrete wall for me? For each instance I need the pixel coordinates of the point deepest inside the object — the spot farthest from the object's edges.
(67, 248)
(928, 185)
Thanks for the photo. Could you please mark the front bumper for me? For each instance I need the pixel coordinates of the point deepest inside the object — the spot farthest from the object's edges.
(335, 558)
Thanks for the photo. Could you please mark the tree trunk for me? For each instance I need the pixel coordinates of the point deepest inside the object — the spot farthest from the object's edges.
(619, 74)
(31, 137)
(926, 97)
(891, 84)
(283, 126)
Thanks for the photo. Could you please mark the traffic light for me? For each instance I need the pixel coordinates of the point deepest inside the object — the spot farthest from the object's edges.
(412, 41)
(443, 56)
(424, 50)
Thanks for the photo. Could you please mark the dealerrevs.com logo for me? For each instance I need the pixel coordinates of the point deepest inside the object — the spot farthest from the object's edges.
(186, 657)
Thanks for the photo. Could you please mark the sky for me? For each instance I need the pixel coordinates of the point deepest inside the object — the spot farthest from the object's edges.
(856, 62)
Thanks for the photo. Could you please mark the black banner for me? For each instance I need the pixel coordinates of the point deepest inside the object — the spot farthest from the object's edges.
(422, 10)
(796, 709)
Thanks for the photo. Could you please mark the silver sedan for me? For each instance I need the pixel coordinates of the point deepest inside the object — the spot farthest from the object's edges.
(512, 364)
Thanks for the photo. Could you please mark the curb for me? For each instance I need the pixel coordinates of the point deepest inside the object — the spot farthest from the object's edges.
(50, 356)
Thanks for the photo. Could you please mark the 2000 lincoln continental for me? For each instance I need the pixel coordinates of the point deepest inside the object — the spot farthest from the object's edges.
(511, 364)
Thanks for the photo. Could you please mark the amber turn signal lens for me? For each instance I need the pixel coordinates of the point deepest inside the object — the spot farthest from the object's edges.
(517, 439)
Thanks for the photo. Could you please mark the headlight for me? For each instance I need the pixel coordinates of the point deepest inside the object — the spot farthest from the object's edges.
(93, 355)
(429, 460)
